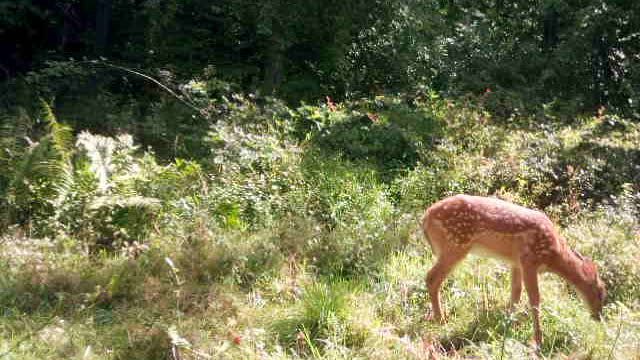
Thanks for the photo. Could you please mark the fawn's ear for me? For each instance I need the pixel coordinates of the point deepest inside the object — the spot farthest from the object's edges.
(576, 253)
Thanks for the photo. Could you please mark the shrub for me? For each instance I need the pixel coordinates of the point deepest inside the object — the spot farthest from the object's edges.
(365, 138)
(385, 132)
(254, 163)
(101, 203)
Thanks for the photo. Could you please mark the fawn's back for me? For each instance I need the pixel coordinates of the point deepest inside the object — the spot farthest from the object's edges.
(489, 226)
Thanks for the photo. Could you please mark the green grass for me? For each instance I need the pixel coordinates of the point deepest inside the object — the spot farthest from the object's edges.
(145, 308)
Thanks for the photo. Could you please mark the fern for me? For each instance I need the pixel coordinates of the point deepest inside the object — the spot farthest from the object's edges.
(14, 132)
(99, 150)
(60, 135)
(88, 189)
(38, 172)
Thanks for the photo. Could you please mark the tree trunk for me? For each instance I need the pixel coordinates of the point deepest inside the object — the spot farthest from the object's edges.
(273, 66)
(71, 28)
(274, 50)
(600, 68)
(103, 22)
(550, 28)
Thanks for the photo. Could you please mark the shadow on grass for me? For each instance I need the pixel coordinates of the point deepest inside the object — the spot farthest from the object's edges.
(497, 325)
(66, 285)
(481, 329)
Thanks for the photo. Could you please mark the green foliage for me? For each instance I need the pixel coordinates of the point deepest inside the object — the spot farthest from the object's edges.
(554, 56)
(458, 156)
(37, 170)
(297, 235)
(385, 133)
(254, 163)
(103, 204)
(344, 194)
(361, 138)
(116, 220)
(58, 77)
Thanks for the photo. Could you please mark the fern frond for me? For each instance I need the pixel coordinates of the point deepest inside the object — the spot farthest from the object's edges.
(99, 150)
(14, 136)
(33, 166)
(45, 164)
(64, 183)
(60, 134)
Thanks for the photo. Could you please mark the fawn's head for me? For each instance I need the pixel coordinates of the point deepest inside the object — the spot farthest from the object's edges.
(596, 292)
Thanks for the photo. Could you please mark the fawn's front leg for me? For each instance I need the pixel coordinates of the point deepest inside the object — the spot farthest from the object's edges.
(436, 276)
(530, 277)
(516, 286)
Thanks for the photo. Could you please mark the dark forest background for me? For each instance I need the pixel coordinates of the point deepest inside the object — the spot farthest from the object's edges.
(576, 54)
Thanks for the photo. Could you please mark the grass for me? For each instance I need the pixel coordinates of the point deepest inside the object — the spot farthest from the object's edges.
(150, 308)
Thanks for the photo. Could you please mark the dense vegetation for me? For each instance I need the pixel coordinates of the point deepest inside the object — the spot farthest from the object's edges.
(188, 180)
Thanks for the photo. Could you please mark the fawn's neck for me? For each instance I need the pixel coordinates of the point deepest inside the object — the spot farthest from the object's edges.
(569, 266)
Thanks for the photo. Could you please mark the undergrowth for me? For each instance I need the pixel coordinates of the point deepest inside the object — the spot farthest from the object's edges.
(297, 235)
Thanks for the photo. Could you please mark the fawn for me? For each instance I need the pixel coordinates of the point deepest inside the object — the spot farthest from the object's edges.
(525, 238)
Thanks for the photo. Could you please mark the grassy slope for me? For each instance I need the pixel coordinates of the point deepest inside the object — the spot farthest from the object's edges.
(343, 278)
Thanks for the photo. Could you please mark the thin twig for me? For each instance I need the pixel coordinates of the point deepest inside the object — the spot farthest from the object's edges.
(153, 80)
(615, 342)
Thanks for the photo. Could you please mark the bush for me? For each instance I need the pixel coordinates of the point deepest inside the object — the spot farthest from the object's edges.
(100, 202)
(365, 138)
(254, 163)
(385, 132)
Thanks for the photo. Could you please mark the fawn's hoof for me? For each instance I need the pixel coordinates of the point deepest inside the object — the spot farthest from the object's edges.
(434, 318)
